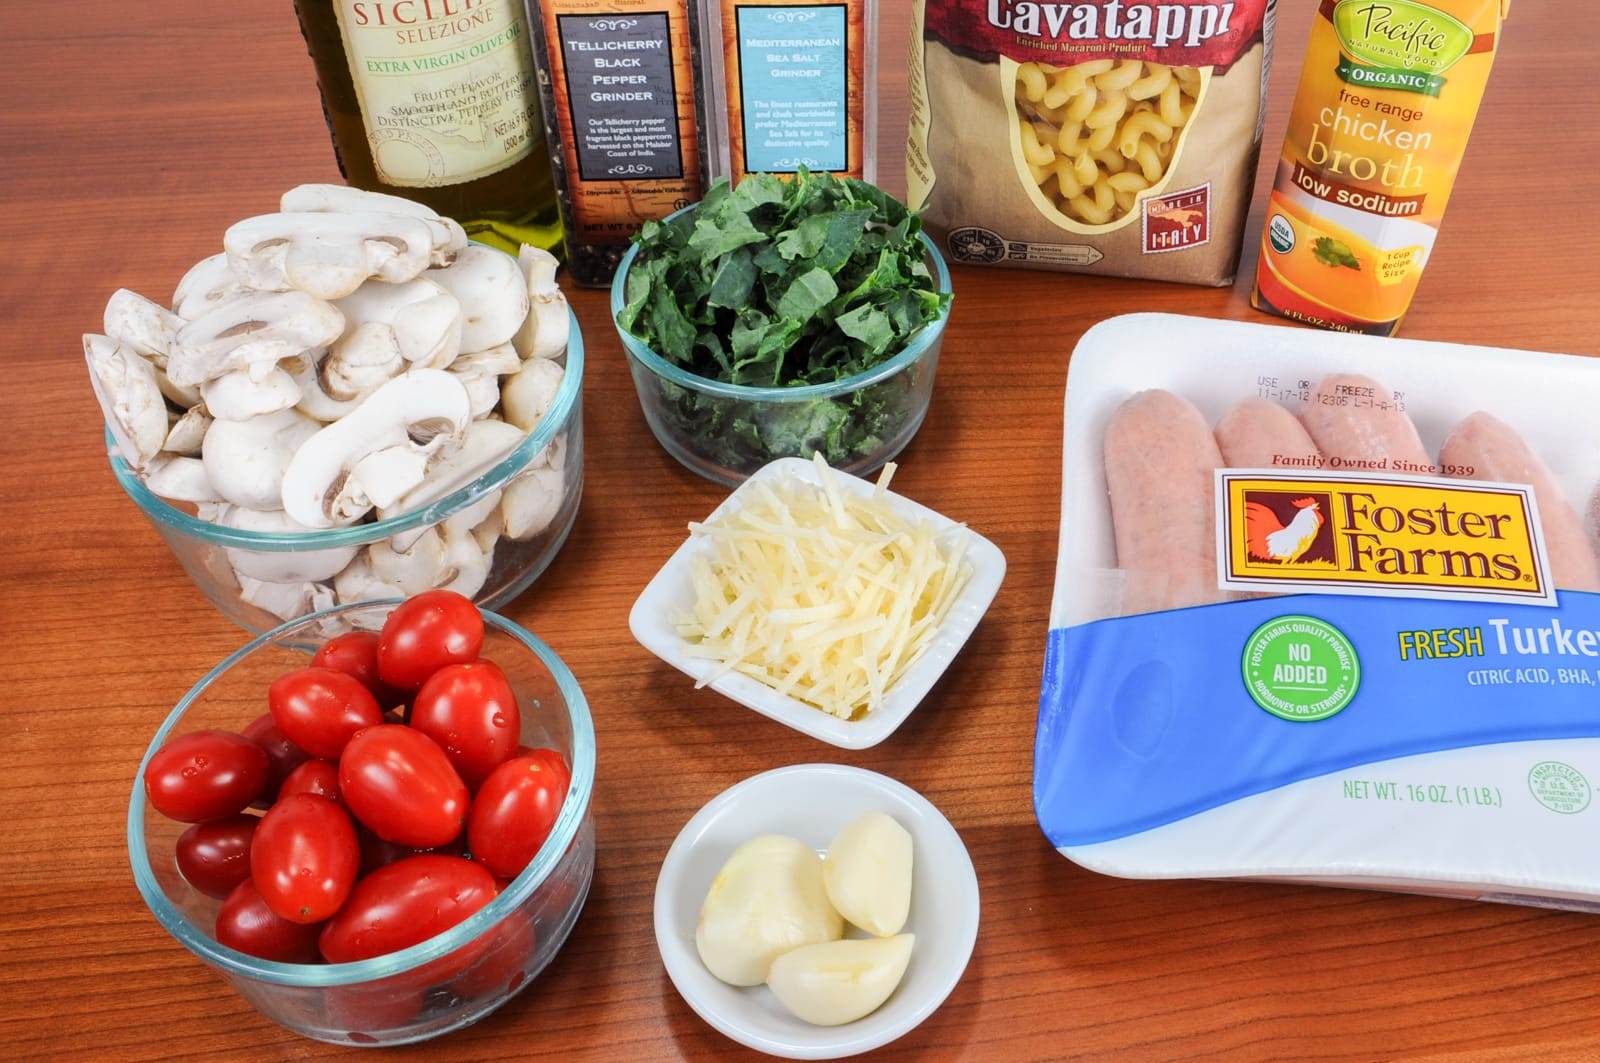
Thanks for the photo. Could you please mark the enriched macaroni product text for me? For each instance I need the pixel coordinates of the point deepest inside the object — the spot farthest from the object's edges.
(1386, 102)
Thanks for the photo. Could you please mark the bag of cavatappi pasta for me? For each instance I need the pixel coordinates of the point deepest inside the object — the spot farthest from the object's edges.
(1115, 136)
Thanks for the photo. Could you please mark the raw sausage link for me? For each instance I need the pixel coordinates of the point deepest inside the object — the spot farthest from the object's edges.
(1492, 450)
(1359, 436)
(1258, 434)
(1160, 461)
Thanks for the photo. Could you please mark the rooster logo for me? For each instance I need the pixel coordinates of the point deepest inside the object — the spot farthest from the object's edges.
(1268, 539)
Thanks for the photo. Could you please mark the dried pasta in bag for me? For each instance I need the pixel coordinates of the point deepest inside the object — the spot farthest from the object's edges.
(1108, 137)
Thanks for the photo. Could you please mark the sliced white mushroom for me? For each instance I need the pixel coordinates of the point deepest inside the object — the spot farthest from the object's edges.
(212, 512)
(554, 456)
(384, 476)
(286, 601)
(208, 283)
(492, 293)
(425, 319)
(315, 402)
(488, 531)
(356, 583)
(420, 568)
(130, 398)
(479, 514)
(421, 411)
(448, 237)
(480, 373)
(180, 479)
(467, 562)
(253, 332)
(188, 432)
(183, 397)
(527, 396)
(328, 255)
(483, 394)
(150, 329)
(246, 460)
(147, 327)
(501, 360)
(483, 445)
(237, 396)
(281, 566)
(360, 361)
(531, 502)
(545, 332)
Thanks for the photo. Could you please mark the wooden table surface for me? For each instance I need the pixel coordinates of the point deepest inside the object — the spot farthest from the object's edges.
(134, 133)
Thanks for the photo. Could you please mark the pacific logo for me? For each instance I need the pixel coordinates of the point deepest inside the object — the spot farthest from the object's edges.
(1379, 534)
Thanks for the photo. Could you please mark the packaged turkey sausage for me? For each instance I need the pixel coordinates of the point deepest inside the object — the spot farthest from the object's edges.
(1327, 609)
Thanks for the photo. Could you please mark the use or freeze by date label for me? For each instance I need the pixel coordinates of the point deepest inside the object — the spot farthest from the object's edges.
(1292, 390)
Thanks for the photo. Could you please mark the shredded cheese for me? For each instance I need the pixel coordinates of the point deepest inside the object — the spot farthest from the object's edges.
(822, 595)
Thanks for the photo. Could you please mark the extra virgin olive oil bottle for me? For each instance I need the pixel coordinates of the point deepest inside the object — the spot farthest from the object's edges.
(435, 100)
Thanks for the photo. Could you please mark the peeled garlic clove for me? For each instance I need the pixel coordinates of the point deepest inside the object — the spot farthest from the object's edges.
(840, 981)
(868, 874)
(767, 899)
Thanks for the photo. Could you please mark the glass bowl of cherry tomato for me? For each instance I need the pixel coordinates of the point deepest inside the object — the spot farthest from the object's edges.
(399, 844)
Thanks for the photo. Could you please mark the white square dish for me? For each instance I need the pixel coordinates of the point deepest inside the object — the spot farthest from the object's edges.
(669, 593)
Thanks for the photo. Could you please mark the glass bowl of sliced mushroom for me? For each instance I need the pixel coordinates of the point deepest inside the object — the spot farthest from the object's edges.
(349, 402)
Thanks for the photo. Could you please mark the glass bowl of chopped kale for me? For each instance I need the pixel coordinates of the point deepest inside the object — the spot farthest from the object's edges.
(783, 317)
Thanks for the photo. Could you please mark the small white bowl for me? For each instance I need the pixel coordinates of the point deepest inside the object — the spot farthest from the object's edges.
(813, 802)
(671, 593)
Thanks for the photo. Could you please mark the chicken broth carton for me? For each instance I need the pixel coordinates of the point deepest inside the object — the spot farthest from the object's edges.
(1327, 609)
(1387, 98)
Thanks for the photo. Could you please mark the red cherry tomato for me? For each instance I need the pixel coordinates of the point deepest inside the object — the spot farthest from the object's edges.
(206, 775)
(304, 858)
(515, 808)
(501, 968)
(376, 853)
(284, 754)
(400, 785)
(215, 857)
(407, 902)
(355, 653)
(557, 762)
(366, 1011)
(319, 709)
(426, 632)
(244, 922)
(320, 777)
(471, 711)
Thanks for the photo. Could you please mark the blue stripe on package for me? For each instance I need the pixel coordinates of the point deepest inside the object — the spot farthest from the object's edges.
(1145, 720)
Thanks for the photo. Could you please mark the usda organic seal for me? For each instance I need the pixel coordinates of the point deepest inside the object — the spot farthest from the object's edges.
(1281, 234)
(1300, 668)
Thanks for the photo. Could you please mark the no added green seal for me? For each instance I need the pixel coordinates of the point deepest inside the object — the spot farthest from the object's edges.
(1300, 668)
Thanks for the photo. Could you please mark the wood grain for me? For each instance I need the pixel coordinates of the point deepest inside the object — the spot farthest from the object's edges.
(135, 132)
